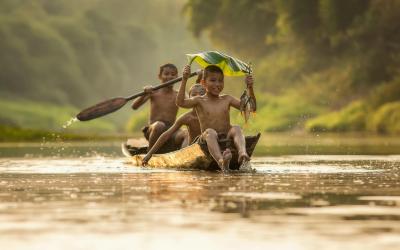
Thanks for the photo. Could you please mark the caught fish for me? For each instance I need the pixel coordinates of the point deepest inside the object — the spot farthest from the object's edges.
(247, 105)
(247, 101)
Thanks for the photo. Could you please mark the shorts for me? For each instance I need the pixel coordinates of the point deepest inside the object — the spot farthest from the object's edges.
(146, 129)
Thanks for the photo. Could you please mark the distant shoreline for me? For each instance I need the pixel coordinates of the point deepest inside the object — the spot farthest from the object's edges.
(271, 144)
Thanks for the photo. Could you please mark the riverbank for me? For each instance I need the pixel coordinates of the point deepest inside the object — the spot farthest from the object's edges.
(12, 134)
(327, 143)
(270, 144)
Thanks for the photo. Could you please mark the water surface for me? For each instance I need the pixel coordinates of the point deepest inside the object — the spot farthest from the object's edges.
(97, 201)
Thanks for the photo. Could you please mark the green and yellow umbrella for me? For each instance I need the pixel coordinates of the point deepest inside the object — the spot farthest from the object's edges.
(229, 65)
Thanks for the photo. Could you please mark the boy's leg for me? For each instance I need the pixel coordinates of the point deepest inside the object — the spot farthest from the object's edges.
(223, 160)
(155, 130)
(179, 138)
(235, 133)
(182, 138)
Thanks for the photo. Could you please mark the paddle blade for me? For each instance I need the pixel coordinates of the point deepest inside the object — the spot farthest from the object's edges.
(101, 109)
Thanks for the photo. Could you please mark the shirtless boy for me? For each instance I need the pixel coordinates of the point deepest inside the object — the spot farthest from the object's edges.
(188, 119)
(163, 109)
(213, 113)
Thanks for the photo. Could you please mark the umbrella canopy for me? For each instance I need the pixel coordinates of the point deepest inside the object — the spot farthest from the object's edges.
(229, 65)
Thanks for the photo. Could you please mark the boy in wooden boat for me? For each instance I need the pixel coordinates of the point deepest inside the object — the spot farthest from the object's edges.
(188, 119)
(213, 114)
(163, 109)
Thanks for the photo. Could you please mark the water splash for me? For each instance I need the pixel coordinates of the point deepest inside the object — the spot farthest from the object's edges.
(70, 122)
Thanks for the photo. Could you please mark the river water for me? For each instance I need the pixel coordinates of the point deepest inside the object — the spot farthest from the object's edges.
(97, 201)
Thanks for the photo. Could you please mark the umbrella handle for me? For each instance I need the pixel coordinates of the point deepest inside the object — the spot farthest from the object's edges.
(249, 68)
(191, 61)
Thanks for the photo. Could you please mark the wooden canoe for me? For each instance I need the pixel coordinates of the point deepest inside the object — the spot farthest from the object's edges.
(195, 156)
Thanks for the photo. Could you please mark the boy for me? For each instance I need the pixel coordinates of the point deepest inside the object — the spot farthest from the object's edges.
(188, 119)
(213, 113)
(163, 109)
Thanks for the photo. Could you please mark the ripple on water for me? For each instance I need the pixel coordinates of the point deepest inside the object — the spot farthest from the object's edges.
(71, 165)
(262, 196)
(347, 210)
(310, 164)
(379, 198)
(100, 164)
(285, 168)
(325, 158)
(382, 200)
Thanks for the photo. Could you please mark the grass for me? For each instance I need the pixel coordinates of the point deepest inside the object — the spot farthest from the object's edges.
(12, 134)
(22, 120)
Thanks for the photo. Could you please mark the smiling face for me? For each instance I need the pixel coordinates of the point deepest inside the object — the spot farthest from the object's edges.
(167, 74)
(214, 83)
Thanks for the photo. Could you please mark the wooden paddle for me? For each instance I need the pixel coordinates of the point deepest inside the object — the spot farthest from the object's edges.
(109, 106)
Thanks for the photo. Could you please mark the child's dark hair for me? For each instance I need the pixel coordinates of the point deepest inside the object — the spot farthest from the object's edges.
(212, 69)
(197, 86)
(167, 65)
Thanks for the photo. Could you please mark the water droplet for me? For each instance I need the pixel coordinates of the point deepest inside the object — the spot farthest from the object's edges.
(70, 122)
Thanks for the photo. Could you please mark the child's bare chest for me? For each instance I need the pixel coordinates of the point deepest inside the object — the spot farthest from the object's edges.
(161, 100)
(214, 109)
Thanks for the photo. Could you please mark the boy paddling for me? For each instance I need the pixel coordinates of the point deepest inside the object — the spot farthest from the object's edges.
(163, 109)
(213, 114)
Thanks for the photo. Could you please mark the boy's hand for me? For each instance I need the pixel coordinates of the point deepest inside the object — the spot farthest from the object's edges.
(249, 81)
(148, 89)
(186, 72)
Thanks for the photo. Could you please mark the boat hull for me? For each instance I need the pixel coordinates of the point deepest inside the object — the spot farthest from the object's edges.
(195, 156)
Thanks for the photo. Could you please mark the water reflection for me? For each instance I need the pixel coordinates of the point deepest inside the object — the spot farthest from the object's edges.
(292, 202)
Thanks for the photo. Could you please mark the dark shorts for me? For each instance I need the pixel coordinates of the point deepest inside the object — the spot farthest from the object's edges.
(146, 129)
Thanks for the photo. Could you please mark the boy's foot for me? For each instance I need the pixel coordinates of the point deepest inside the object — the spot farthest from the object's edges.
(246, 167)
(226, 159)
(243, 156)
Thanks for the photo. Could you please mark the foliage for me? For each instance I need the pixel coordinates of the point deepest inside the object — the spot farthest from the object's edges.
(77, 53)
(45, 117)
(351, 118)
(386, 92)
(78, 56)
(340, 58)
(138, 120)
(386, 119)
(377, 113)
(325, 61)
(9, 133)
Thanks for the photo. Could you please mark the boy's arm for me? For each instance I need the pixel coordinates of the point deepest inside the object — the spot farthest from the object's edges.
(141, 100)
(234, 102)
(163, 139)
(181, 101)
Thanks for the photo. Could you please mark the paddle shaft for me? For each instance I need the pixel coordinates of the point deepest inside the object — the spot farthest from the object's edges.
(112, 105)
(166, 84)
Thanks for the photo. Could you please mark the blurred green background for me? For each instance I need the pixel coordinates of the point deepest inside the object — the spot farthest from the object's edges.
(320, 65)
